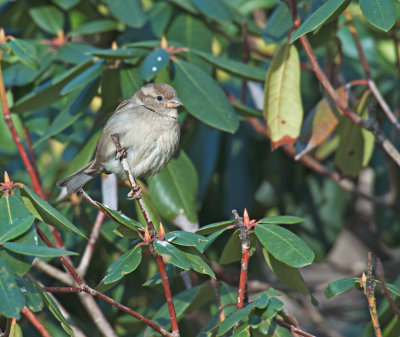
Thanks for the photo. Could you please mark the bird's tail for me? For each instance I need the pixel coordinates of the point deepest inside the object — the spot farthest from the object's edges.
(74, 182)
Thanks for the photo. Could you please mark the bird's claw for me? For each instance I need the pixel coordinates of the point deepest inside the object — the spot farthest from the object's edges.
(120, 154)
(135, 193)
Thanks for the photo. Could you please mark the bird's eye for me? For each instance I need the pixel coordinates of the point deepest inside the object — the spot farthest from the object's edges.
(159, 98)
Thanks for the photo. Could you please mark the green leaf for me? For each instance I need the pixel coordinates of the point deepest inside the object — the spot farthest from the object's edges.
(197, 261)
(25, 52)
(54, 309)
(286, 274)
(282, 220)
(284, 245)
(214, 9)
(186, 5)
(174, 190)
(66, 4)
(45, 212)
(36, 250)
(316, 19)
(33, 299)
(125, 264)
(75, 52)
(154, 63)
(49, 18)
(337, 287)
(274, 306)
(356, 145)
(211, 239)
(20, 263)
(49, 92)
(240, 314)
(159, 16)
(283, 109)
(210, 104)
(245, 110)
(130, 81)
(233, 67)
(128, 11)
(380, 13)
(11, 230)
(15, 330)
(393, 288)
(232, 249)
(84, 155)
(173, 254)
(83, 78)
(214, 227)
(183, 238)
(96, 26)
(171, 270)
(11, 298)
(121, 218)
(122, 53)
(278, 24)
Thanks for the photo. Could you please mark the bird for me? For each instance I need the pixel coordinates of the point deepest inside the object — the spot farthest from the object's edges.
(149, 132)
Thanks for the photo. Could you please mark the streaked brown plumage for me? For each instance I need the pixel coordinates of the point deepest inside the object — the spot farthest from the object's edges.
(148, 129)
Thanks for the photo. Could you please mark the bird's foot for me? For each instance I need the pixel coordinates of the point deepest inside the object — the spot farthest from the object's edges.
(135, 193)
(120, 154)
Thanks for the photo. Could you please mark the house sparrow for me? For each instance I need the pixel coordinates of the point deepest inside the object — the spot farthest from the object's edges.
(149, 132)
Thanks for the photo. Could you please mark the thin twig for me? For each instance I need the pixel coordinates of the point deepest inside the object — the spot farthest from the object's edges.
(369, 287)
(372, 85)
(54, 272)
(152, 233)
(214, 285)
(292, 328)
(35, 322)
(88, 253)
(381, 277)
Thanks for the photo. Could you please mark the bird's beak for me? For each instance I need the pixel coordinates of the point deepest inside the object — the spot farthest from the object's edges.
(174, 103)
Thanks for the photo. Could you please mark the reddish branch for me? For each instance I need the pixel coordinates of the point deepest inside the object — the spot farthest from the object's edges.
(150, 235)
(244, 263)
(24, 156)
(380, 137)
(35, 322)
(292, 328)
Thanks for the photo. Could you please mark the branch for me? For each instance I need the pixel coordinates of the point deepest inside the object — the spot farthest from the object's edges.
(151, 233)
(35, 322)
(292, 328)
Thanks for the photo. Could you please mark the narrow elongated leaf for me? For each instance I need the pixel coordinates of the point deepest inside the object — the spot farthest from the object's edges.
(121, 53)
(49, 18)
(36, 250)
(84, 78)
(75, 52)
(283, 109)
(121, 218)
(211, 239)
(15, 330)
(337, 287)
(54, 309)
(154, 63)
(233, 67)
(393, 288)
(49, 92)
(284, 245)
(125, 264)
(214, 227)
(128, 11)
(183, 238)
(232, 250)
(197, 261)
(282, 220)
(380, 13)
(33, 299)
(11, 298)
(246, 110)
(26, 52)
(286, 274)
(172, 254)
(45, 212)
(356, 144)
(210, 105)
(278, 24)
(214, 9)
(96, 26)
(9, 231)
(174, 190)
(316, 19)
